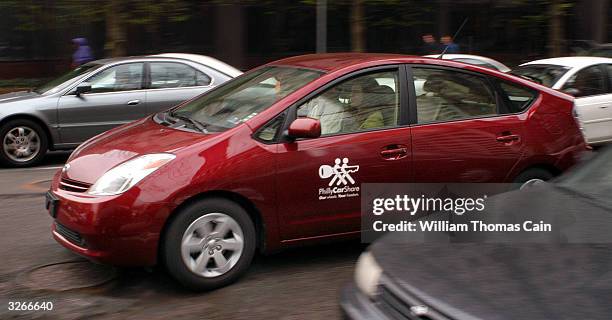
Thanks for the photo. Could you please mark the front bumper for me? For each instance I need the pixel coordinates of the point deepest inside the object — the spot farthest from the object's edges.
(356, 305)
(119, 230)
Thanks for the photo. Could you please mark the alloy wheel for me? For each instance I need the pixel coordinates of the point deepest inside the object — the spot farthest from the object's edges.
(212, 245)
(21, 144)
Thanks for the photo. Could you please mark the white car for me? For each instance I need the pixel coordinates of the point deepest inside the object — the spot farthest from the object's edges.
(475, 60)
(589, 80)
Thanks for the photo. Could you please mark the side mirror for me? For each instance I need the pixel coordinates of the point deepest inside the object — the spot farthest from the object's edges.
(83, 87)
(304, 128)
(572, 91)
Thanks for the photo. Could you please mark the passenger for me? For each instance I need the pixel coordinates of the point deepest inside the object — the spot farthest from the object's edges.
(366, 99)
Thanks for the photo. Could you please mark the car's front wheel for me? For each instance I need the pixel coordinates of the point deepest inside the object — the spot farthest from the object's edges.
(24, 143)
(209, 244)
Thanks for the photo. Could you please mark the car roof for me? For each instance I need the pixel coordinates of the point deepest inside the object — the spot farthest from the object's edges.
(330, 62)
(572, 62)
(457, 55)
(204, 60)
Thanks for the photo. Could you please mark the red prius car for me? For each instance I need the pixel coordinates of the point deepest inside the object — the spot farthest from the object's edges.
(276, 157)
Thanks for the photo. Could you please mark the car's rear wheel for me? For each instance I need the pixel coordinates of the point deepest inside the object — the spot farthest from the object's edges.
(24, 143)
(209, 244)
(532, 176)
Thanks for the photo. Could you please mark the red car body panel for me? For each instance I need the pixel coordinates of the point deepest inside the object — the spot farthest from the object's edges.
(278, 183)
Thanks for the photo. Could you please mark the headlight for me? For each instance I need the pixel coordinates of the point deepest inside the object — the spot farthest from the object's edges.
(124, 176)
(367, 274)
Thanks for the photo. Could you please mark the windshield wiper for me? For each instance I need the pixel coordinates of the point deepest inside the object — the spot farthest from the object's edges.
(200, 126)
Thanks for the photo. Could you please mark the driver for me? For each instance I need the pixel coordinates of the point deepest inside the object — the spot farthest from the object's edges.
(328, 110)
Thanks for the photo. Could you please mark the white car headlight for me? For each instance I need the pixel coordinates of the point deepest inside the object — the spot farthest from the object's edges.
(367, 274)
(124, 176)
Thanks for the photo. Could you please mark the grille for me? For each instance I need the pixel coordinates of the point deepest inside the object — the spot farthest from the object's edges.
(69, 235)
(73, 185)
(404, 306)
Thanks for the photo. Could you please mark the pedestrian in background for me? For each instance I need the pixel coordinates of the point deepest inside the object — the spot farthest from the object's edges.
(447, 41)
(82, 53)
(430, 46)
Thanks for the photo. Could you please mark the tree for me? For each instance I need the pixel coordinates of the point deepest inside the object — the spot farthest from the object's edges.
(358, 40)
(117, 15)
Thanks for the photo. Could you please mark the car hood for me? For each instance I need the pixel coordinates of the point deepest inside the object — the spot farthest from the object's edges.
(18, 96)
(105, 151)
(478, 280)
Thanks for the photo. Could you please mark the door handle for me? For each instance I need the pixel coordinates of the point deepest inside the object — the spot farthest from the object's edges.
(394, 152)
(604, 107)
(133, 102)
(508, 138)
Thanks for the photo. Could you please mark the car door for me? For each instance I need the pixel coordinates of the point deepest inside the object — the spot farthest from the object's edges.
(319, 181)
(116, 97)
(171, 83)
(458, 131)
(591, 87)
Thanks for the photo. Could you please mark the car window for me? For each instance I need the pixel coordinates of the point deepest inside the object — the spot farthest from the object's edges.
(519, 96)
(362, 103)
(589, 81)
(270, 130)
(445, 95)
(544, 74)
(475, 62)
(118, 78)
(176, 75)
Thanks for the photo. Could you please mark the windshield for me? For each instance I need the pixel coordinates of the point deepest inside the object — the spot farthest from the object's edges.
(49, 86)
(244, 97)
(545, 74)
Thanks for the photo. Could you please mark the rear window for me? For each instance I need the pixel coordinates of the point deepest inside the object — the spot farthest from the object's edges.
(476, 63)
(544, 74)
(520, 97)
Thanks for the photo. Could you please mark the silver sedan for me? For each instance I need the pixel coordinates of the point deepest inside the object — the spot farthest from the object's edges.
(98, 96)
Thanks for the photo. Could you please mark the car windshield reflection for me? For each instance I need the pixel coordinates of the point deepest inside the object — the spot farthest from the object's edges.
(53, 85)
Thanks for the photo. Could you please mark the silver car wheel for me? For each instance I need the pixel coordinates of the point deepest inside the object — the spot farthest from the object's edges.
(21, 144)
(212, 245)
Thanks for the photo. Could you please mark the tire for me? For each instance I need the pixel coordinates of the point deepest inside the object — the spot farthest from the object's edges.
(532, 176)
(20, 136)
(211, 215)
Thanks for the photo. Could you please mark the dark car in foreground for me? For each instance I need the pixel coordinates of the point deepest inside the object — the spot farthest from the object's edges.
(562, 274)
(277, 156)
(99, 96)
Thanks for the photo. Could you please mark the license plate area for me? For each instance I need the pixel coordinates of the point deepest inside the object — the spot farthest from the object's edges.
(51, 203)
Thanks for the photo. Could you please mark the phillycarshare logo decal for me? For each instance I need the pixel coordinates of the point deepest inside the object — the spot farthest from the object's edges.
(341, 183)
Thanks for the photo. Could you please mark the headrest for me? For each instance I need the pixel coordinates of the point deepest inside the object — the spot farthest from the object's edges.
(434, 83)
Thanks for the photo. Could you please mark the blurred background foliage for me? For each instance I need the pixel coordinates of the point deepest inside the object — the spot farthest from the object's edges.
(249, 32)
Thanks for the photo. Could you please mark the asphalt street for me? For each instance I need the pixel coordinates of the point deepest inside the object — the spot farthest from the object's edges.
(296, 284)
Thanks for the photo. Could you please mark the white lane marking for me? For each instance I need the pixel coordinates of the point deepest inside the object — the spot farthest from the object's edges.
(31, 169)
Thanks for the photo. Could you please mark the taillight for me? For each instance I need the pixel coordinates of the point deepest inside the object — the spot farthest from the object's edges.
(579, 122)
